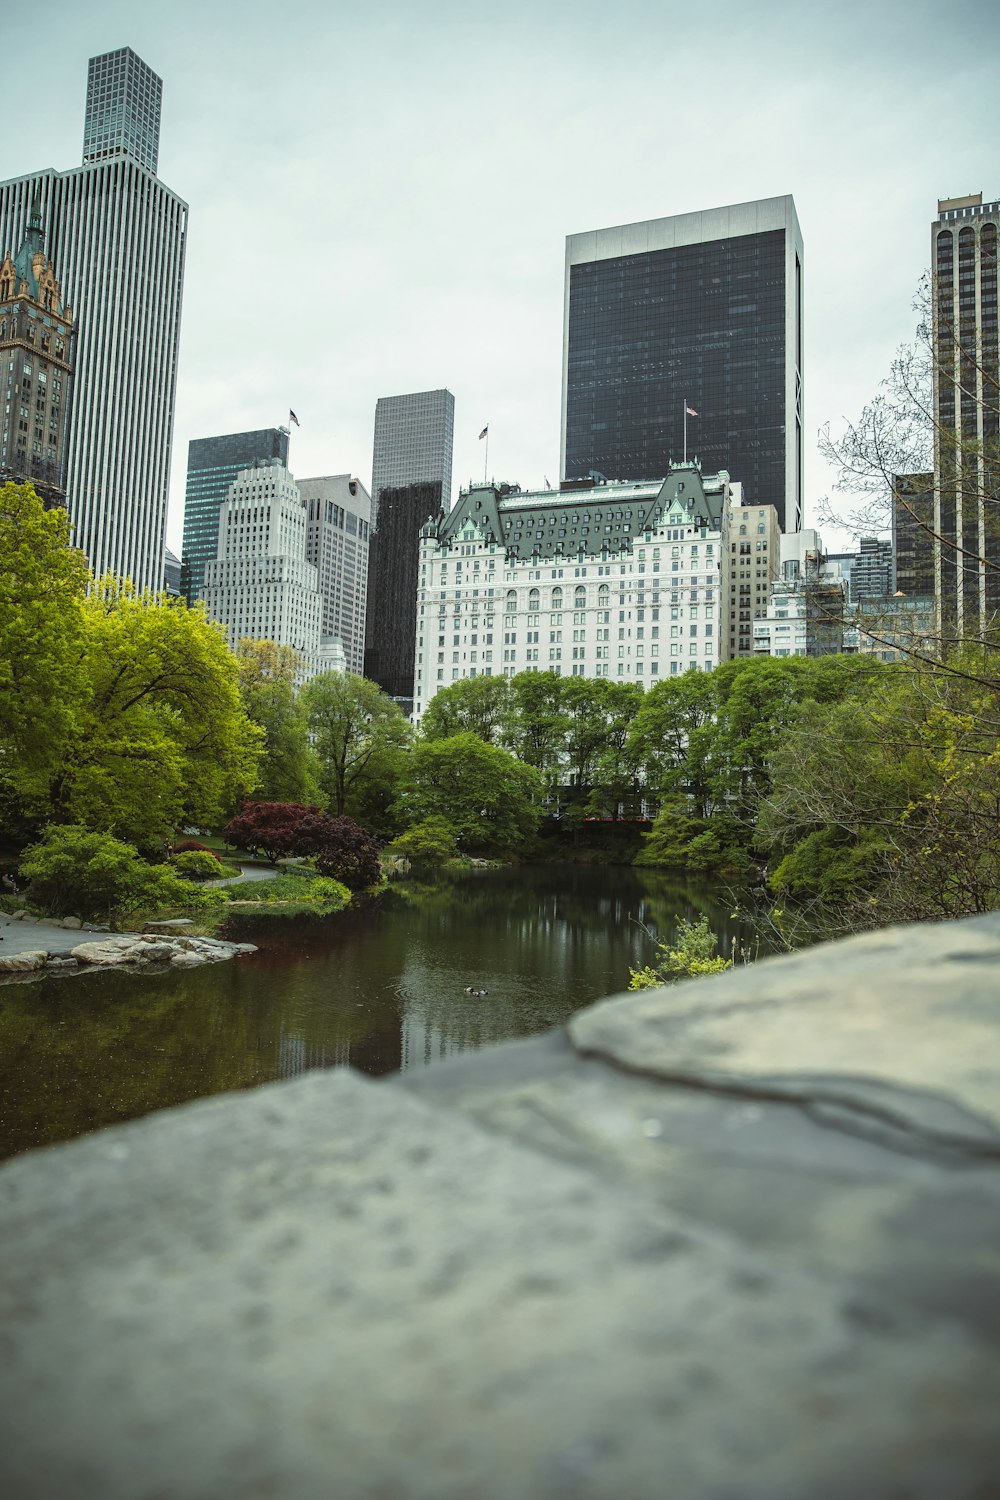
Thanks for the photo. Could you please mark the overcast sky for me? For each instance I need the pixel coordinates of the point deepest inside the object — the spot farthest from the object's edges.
(380, 195)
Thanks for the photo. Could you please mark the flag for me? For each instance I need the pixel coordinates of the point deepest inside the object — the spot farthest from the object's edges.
(484, 432)
(690, 411)
(292, 417)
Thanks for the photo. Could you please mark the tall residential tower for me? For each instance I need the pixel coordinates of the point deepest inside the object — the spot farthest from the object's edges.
(700, 313)
(118, 237)
(967, 425)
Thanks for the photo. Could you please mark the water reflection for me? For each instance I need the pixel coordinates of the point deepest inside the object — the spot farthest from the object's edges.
(381, 989)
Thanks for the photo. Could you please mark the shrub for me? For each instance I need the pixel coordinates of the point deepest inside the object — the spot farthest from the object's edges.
(695, 952)
(341, 849)
(429, 842)
(72, 872)
(269, 828)
(192, 846)
(304, 890)
(198, 864)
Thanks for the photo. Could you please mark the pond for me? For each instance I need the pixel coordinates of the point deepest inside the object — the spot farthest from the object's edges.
(381, 988)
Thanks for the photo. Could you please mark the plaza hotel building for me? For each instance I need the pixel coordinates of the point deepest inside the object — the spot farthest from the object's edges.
(629, 581)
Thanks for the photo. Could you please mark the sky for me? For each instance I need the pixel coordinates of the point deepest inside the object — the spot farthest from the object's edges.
(379, 196)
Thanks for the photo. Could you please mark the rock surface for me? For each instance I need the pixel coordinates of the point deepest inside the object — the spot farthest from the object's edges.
(536, 1273)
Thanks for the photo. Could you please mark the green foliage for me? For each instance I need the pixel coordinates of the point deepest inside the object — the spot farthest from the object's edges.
(485, 794)
(310, 892)
(695, 952)
(429, 842)
(288, 769)
(681, 840)
(197, 864)
(477, 705)
(360, 737)
(72, 872)
(42, 587)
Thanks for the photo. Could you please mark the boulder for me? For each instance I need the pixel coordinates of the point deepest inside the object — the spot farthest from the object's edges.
(72, 922)
(184, 960)
(18, 963)
(171, 924)
(107, 951)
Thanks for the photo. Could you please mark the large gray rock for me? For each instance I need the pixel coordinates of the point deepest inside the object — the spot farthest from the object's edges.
(24, 962)
(330, 1288)
(894, 1031)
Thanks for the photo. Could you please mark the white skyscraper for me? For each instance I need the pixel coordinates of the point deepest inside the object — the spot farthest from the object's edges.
(259, 585)
(414, 438)
(118, 237)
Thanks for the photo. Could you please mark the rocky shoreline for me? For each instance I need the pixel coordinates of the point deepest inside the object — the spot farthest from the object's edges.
(34, 946)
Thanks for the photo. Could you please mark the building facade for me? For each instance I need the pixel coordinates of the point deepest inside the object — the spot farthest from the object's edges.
(754, 557)
(913, 534)
(338, 515)
(625, 581)
(213, 464)
(873, 570)
(118, 237)
(36, 357)
(804, 617)
(414, 440)
(967, 412)
(390, 623)
(259, 585)
(699, 312)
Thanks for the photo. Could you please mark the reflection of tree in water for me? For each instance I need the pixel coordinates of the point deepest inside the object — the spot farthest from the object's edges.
(380, 988)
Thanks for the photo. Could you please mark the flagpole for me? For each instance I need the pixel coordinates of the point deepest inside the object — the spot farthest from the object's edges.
(486, 461)
(685, 429)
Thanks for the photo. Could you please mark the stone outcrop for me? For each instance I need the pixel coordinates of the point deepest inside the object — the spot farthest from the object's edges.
(113, 950)
(735, 1240)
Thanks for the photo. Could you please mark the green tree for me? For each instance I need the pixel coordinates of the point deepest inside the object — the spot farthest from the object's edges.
(490, 799)
(288, 767)
(161, 738)
(430, 842)
(672, 735)
(361, 739)
(480, 705)
(42, 585)
(536, 724)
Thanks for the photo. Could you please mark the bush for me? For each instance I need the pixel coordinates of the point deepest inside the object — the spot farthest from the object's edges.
(695, 952)
(341, 849)
(72, 872)
(430, 842)
(269, 828)
(314, 891)
(198, 864)
(192, 846)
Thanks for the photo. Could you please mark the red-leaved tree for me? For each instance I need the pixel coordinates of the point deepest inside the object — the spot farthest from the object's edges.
(270, 828)
(340, 848)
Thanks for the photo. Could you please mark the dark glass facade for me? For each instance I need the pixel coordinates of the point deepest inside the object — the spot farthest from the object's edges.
(913, 534)
(393, 559)
(213, 464)
(705, 323)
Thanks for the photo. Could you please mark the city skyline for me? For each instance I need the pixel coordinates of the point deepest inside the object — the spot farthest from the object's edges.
(474, 300)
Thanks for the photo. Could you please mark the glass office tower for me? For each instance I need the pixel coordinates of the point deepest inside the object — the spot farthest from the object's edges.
(118, 236)
(702, 310)
(414, 435)
(213, 464)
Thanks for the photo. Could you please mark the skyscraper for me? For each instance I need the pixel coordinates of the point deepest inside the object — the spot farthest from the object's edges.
(700, 313)
(338, 508)
(414, 437)
(36, 352)
(118, 238)
(390, 627)
(260, 585)
(213, 464)
(966, 431)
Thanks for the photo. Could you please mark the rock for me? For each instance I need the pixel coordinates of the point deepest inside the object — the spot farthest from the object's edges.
(110, 950)
(71, 922)
(26, 916)
(243, 1296)
(148, 950)
(171, 924)
(18, 963)
(188, 960)
(60, 961)
(892, 1028)
(17, 916)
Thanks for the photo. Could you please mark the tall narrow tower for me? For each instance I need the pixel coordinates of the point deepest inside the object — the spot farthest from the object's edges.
(118, 238)
(966, 408)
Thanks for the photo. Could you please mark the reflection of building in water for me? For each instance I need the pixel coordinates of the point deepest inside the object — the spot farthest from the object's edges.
(372, 1045)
